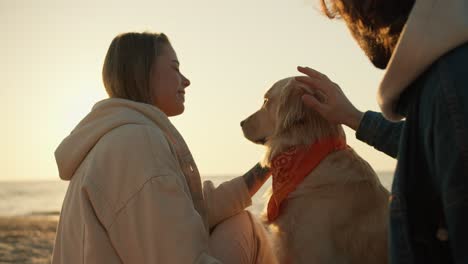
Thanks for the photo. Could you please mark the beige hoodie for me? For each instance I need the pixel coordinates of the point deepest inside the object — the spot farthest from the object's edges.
(434, 27)
(135, 194)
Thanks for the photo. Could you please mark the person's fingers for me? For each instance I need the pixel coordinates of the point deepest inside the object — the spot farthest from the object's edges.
(311, 72)
(304, 87)
(315, 84)
(312, 102)
(307, 89)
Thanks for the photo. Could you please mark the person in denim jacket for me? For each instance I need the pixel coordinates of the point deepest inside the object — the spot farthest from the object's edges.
(423, 45)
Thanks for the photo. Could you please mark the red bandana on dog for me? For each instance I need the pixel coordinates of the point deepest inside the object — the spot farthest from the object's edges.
(291, 167)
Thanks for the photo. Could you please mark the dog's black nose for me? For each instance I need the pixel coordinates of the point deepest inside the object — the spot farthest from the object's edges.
(242, 123)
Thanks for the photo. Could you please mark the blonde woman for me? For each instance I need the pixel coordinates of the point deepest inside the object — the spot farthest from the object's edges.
(135, 194)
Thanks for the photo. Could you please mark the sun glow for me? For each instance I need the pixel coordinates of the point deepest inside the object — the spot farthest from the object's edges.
(231, 51)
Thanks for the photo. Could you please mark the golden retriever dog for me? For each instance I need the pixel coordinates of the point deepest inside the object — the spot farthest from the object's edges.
(339, 212)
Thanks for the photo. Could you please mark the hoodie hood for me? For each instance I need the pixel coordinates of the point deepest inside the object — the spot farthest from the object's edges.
(434, 27)
(105, 116)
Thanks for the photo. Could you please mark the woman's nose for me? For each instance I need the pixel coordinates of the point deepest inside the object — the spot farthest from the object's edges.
(186, 82)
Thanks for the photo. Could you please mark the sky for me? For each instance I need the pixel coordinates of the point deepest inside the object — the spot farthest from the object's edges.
(232, 51)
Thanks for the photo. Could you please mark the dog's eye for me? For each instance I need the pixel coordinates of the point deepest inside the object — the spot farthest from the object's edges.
(265, 101)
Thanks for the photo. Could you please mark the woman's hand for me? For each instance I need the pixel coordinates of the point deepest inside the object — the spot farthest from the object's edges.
(256, 177)
(326, 97)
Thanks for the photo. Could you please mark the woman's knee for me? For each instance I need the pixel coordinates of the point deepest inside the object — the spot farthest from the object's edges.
(243, 238)
(233, 241)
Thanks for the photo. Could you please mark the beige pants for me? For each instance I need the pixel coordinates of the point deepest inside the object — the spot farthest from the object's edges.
(241, 239)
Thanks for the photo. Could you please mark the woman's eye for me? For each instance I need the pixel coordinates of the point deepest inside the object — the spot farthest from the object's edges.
(265, 101)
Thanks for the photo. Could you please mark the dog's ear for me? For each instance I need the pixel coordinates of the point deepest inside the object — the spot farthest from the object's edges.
(291, 109)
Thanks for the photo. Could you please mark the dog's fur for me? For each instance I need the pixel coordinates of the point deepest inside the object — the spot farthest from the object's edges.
(338, 214)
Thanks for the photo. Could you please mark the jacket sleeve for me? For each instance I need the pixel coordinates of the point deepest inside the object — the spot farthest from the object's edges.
(380, 133)
(450, 143)
(158, 223)
(226, 200)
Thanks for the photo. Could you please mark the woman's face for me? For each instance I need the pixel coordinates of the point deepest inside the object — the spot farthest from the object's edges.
(167, 83)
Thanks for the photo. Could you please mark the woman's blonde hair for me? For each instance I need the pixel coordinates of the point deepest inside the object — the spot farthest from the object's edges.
(128, 63)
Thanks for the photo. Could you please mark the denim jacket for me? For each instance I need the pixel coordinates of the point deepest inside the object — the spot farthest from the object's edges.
(429, 202)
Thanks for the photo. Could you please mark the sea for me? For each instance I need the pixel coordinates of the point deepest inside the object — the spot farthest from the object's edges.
(24, 198)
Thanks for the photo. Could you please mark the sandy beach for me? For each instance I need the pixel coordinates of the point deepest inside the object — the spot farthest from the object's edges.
(27, 239)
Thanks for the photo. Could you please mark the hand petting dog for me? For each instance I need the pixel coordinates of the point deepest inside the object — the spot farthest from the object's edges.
(335, 107)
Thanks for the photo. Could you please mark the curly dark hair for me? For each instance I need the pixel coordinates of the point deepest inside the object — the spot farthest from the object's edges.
(375, 24)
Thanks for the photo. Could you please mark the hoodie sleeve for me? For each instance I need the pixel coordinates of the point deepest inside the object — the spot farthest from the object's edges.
(226, 200)
(380, 133)
(157, 221)
(160, 225)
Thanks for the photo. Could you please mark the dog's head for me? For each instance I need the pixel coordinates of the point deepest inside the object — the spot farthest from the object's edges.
(284, 121)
